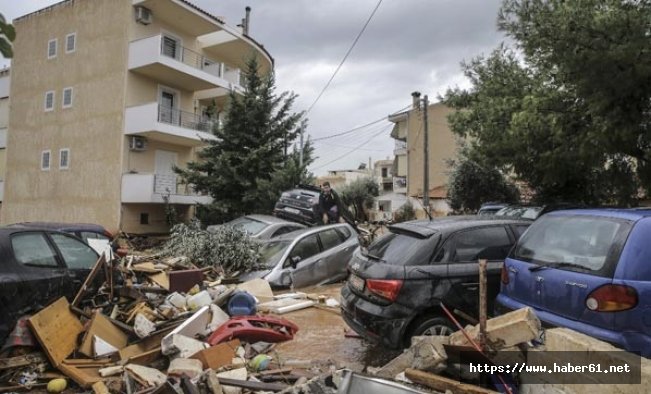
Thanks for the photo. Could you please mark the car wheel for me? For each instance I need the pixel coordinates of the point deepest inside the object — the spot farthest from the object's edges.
(433, 325)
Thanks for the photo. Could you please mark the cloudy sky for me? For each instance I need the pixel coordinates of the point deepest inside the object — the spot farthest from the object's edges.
(409, 45)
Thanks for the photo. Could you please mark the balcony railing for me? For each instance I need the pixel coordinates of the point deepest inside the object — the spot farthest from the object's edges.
(184, 119)
(171, 48)
(159, 188)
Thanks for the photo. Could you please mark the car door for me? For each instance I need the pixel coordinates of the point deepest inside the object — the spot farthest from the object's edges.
(39, 274)
(492, 243)
(78, 257)
(304, 271)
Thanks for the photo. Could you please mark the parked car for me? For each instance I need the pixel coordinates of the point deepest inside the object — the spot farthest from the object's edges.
(300, 205)
(261, 226)
(533, 212)
(490, 208)
(587, 270)
(307, 257)
(101, 237)
(395, 287)
(38, 267)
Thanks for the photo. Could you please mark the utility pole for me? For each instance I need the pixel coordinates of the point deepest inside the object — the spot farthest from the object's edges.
(426, 156)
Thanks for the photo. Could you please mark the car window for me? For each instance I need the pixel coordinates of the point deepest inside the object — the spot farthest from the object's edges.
(306, 248)
(329, 239)
(76, 254)
(33, 249)
(271, 252)
(578, 240)
(444, 252)
(519, 230)
(86, 235)
(344, 232)
(403, 249)
(492, 243)
(247, 224)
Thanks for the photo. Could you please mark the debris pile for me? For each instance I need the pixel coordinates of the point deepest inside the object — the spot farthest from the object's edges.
(160, 325)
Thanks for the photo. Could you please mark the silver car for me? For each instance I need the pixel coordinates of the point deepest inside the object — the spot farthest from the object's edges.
(307, 257)
(261, 226)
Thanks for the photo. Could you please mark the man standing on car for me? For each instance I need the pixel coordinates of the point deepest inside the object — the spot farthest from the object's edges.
(329, 204)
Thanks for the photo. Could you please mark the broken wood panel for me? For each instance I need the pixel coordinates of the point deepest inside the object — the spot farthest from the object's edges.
(101, 263)
(440, 383)
(161, 279)
(218, 356)
(102, 327)
(21, 361)
(56, 329)
(84, 376)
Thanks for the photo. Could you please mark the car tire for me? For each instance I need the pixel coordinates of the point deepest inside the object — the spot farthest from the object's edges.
(432, 325)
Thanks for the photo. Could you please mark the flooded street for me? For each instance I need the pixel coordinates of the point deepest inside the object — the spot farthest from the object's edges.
(322, 337)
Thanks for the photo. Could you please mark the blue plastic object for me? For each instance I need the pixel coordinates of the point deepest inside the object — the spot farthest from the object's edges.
(241, 304)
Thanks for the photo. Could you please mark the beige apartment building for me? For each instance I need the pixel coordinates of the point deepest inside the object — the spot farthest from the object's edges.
(107, 96)
(408, 133)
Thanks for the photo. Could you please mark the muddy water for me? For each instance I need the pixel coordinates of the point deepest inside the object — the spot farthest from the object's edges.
(321, 337)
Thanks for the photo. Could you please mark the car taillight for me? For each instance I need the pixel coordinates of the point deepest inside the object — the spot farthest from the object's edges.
(505, 275)
(612, 298)
(388, 289)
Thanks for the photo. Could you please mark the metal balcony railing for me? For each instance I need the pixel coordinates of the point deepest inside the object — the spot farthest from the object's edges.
(168, 184)
(184, 119)
(171, 48)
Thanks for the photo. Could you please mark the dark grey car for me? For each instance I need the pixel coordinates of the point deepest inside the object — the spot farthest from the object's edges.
(307, 257)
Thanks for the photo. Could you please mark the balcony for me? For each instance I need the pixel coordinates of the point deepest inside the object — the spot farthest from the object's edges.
(154, 188)
(169, 125)
(164, 60)
(400, 148)
(2, 191)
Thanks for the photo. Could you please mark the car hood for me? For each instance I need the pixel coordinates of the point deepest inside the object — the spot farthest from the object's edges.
(254, 275)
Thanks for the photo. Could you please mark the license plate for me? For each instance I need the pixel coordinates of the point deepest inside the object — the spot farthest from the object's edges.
(292, 210)
(356, 282)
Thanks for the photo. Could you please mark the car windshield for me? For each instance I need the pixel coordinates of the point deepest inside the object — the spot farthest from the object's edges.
(571, 240)
(271, 252)
(403, 249)
(531, 213)
(251, 226)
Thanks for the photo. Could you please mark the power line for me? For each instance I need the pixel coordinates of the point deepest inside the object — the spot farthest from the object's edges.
(358, 127)
(345, 57)
(352, 150)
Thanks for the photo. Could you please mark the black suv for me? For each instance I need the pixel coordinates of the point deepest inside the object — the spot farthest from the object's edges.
(395, 287)
(300, 205)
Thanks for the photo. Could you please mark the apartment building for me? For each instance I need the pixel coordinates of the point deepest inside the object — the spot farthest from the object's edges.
(408, 132)
(108, 96)
(4, 123)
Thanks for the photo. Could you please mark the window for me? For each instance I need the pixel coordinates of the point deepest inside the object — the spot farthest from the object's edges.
(343, 232)
(33, 249)
(284, 230)
(329, 239)
(305, 248)
(403, 249)
(67, 97)
(49, 100)
(144, 218)
(64, 159)
(491, 243)
(171, 47)
(45, 160)
(86, 235)
(75, 253)
(52, 48)
(71, 42)
(385, 172)
(519, 230)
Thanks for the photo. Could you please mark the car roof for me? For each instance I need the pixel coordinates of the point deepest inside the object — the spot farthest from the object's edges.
(447, 224)
(61, 226)
(270, 219)
(633, 214)
(295, 234)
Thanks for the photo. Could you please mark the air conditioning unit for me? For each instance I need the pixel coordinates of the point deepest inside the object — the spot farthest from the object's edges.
(138, 143)
(143, 15)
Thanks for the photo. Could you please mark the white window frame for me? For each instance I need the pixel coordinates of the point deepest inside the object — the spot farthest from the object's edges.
(56, 44)
(54, 97)
(67, 151)
(74, 46)
(49, 160)
(63, 97)
(179, 43)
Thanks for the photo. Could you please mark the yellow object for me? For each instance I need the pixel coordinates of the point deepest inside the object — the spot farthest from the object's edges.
(194, 290)
(56, 385)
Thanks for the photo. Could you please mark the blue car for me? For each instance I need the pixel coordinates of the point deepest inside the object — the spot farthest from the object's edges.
(587, 270)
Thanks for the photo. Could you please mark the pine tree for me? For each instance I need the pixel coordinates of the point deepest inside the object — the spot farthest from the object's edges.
(249, 148)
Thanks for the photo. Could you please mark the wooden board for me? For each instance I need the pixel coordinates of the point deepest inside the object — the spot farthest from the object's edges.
(102, 327)
(101, 263)
(161, 279)
(83, 376)
(56, 329)
(218, 356)
(439, 383)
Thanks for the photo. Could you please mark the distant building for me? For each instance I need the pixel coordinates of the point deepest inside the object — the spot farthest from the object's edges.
(340, 178)
(107, 97)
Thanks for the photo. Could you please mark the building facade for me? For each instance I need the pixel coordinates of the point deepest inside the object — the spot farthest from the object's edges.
(408, 132)
(107, 97)
(4, 124)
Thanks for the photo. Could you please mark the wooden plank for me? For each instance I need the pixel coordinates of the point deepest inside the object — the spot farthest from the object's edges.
(439, 383)
(102, 327)
(145, 358)
(83, 376)
(100, 388)
(162, 279)
(253, 386)
(56, 329)
(101, 262)
(11, 389)
(483, 308)
(21, 361)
